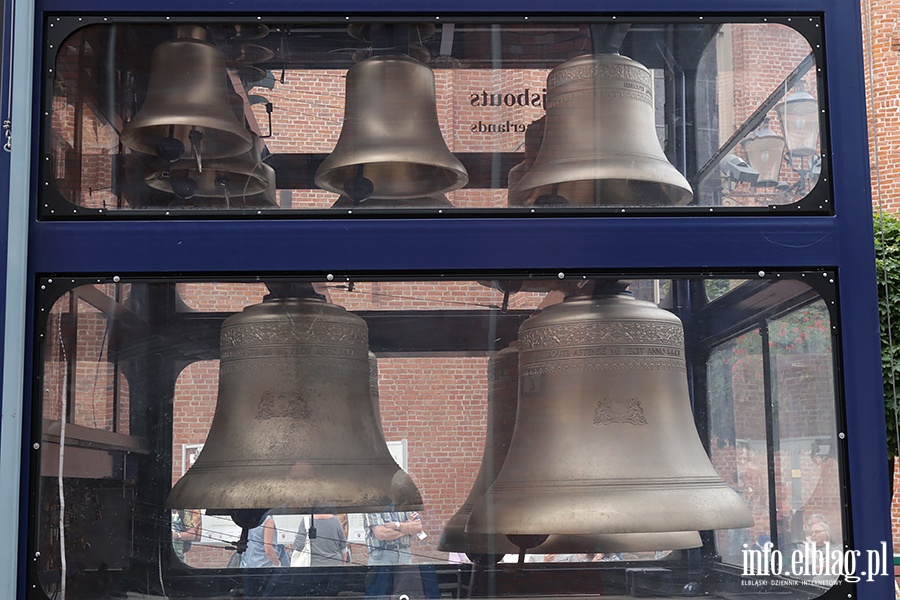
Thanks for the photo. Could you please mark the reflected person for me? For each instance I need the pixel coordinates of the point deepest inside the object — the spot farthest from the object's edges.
(329, 547)
(389, 536)
(186, 528)
(262, 547)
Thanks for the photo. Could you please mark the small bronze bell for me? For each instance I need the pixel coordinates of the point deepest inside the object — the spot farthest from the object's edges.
(295, 427)
(186, 113)
(600, 146)
(233, 177)
(391, 144)
(604, 440)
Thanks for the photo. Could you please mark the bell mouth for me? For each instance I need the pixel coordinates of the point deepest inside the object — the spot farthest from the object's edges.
(433, 201)
(393, 179)
(607, 184)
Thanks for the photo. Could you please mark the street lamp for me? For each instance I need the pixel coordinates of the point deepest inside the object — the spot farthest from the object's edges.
(798, 114)
(765, 149)
(799, 118)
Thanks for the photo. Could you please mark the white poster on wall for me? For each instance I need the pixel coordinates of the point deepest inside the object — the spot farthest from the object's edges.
(189, 453)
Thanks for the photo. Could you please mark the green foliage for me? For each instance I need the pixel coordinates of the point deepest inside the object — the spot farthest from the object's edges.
(887, 252)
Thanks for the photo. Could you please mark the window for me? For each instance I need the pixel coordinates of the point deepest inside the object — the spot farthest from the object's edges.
(313, 117)
(603, 399)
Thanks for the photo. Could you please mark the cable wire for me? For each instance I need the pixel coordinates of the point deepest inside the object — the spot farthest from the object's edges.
(62, 454)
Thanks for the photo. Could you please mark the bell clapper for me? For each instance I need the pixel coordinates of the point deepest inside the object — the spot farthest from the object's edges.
(183, 186)
(170, 149)
(358, 187)
(222, 182)
(551, 199)
(241, 544)
(312, 526)
(196, 137)
(246, 519)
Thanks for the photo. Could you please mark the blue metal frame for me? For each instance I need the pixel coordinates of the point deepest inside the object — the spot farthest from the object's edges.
(843, 242)
(14, 225)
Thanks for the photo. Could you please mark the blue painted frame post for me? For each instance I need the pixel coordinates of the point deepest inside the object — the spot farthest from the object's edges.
(14, 225)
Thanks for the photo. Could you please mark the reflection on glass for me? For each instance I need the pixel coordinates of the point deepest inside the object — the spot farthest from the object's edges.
(738, 431)
(769, 431)
(129, 130)
(716, 288)
(766, 114)
(800, 346)
(780, 440)
(93, 398)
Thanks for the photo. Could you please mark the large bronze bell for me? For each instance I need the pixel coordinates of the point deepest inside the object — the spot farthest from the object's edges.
(186, 113)
(600, 146)
(503, 387)
(295, 427)
(604, 440)
(232, 177)
(390, 144)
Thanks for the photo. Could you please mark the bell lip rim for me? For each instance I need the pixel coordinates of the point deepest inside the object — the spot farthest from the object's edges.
(535, 180)
(131, 134)
(459, 541)
(430, 201)
(734, 514)
(292, 510)
(253, 184)
(325, 174)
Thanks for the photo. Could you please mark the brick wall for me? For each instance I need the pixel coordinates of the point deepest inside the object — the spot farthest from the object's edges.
(881, 45)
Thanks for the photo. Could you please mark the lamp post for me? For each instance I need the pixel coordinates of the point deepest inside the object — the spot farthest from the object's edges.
(765, 149)
(798, 114)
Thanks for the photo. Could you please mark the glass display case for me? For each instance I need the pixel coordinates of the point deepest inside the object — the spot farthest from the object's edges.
(322, 302)
(505, 435)
(478, 116)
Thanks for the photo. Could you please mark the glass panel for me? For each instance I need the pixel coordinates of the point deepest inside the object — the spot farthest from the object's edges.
(385, 408)
(85, 405)
(315, 116)
(807, 476)
(738, 429)
(761, 116)
(781, 448)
